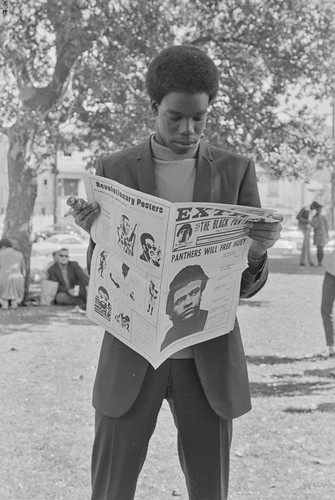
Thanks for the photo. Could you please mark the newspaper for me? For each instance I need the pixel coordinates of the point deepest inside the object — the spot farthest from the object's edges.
(165, 276)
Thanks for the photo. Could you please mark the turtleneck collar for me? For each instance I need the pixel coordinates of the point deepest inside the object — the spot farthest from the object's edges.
(163, 153)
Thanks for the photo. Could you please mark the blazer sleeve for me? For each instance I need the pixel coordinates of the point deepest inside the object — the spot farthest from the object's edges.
(98, 171)
(252, 282)
(53, 275)
(248, 193)
(89, 254)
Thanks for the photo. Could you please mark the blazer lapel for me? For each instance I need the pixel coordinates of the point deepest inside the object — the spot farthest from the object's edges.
(204, 174)
(70, 273)
(59, 274)
(145, 169)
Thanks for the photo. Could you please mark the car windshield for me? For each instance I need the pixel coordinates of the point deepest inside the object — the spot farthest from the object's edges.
(63, 240)
(60, 227)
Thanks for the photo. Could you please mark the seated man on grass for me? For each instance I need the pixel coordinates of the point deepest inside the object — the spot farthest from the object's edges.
(72, 281)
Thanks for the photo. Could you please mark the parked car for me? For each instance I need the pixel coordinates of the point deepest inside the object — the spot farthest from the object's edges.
(41, 254)
(56, 229)
(283, 246)
(290, 241)
(293, 234)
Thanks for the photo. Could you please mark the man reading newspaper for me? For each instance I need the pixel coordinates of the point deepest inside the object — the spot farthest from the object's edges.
(206, 385)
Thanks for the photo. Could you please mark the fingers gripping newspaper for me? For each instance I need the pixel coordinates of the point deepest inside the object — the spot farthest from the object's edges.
(165, 276)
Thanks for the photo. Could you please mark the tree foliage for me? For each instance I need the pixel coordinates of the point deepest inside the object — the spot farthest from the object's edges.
(56, 56)
(266, 50)
(72, 77)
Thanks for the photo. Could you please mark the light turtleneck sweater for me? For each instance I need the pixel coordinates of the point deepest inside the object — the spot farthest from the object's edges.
(175, 178)
(174, 173)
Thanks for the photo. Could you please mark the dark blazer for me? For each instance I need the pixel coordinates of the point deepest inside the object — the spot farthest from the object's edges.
(221, 177)
(76, 276)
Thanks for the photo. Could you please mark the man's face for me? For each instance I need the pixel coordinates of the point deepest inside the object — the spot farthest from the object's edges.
(150, 248)
(183, 235)
(186, 301)
(63, 257)
(180, 120)
(126, 225)
(103, 297)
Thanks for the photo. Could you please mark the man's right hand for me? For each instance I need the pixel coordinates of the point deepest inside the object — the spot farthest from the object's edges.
(84, 213)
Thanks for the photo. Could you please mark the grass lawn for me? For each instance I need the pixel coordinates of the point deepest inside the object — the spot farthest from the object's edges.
(283, 449)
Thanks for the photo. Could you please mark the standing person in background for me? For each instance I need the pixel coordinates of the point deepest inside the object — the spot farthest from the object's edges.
(12, 273)
(206, 385)
(327, 304)
(320, 231)
(304, 224)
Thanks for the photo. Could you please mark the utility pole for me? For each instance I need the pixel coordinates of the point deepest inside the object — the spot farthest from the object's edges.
(332, 168)
(55, 179)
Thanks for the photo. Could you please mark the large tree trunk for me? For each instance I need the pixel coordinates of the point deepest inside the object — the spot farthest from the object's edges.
(22, 194)
(72, 38)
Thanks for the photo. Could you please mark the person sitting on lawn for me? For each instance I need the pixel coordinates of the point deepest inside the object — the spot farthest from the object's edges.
(12, 274)
(69, 276)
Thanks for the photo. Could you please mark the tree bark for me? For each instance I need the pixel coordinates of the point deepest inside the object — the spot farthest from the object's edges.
(22, 194)
(37, 103)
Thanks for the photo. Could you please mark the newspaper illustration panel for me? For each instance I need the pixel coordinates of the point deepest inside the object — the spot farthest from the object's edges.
(165, 276)
(128, 263)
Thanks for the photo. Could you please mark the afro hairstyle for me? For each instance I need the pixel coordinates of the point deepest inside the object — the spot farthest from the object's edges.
(182, 68)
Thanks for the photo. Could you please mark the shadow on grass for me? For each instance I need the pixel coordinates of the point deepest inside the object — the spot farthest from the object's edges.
(323, 407)
(295, 384)
(327, 373)
(254, 303)
(279, 360)
(289, 388)
(13, 320)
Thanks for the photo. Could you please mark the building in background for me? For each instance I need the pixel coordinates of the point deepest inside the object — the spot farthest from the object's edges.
(288, 196)
(55, 186)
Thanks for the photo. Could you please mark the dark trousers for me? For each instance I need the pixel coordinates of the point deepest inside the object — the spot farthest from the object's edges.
(305, 256)
(121, 444)
(327, 303)
(319, 254)
(64, 299)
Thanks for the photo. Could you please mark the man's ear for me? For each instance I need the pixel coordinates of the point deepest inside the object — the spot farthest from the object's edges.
(154, 107)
